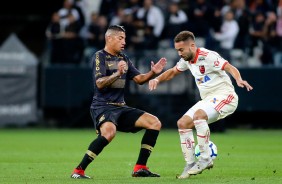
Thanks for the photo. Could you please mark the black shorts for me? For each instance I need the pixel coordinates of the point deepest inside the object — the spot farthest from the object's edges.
(124, 117)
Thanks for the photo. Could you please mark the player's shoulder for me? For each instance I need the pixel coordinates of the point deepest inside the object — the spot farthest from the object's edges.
(208, 53)
(182, 62)
(100, 53)
(123, 55)
(202, 49)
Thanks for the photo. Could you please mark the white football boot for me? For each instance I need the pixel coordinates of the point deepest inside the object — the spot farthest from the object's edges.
(185, 174)
(201, 165)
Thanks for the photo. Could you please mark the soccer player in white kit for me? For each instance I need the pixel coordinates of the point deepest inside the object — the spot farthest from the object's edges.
(218, 97)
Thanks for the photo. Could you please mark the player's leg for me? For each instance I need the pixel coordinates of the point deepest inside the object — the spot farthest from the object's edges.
(106, 132)
(152, 125)
(204, 114)
(203, 132)
(185, 128)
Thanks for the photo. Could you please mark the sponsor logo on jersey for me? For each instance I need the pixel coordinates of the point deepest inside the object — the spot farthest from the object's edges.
(203, 79)
(202, 58)
(202, 69)
(214, 100)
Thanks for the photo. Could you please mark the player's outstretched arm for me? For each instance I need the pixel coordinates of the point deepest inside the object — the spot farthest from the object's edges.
(167, 75)
(155, 69)
(237, 76)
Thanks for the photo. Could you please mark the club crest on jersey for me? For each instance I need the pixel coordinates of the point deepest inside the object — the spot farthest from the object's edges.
(216, 63)
(102, 118)
(202, 69)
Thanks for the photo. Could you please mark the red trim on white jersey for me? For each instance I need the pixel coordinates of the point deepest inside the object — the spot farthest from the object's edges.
(203, 53)
(178, 69)
(222, 68)
(199, 53)
(224, 102)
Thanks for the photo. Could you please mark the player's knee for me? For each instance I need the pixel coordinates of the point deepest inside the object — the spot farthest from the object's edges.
(109, 135)
(108, 131)
(200, 114)
(184, 124)
(156, 124)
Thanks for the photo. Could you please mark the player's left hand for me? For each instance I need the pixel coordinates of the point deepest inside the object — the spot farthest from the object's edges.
(243, 83)
(159, 66)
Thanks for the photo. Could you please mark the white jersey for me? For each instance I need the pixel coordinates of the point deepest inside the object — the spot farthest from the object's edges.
(208, 70)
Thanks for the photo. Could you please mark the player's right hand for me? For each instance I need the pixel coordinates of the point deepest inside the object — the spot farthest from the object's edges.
(153, 84)
(122, 67)
(242, 83)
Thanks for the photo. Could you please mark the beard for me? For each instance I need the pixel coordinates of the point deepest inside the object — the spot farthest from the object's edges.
(188, 57)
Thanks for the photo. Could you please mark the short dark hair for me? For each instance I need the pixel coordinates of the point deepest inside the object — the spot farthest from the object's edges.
(116, 28)
(184, 36)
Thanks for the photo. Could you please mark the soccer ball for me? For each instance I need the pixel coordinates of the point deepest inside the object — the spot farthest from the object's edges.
(212, 147)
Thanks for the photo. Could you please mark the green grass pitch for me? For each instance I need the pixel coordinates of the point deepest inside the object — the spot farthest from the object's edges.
(49, 155)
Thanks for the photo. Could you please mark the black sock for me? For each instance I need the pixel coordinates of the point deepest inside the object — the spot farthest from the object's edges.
(93, 150)
(147, 144)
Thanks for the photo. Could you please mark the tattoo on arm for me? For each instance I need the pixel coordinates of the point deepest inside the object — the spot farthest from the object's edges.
(107, 81)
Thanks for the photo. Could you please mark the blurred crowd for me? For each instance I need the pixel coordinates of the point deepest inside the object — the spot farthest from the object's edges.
(245, 32)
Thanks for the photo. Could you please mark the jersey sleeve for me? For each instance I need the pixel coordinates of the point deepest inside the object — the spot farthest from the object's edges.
(99, 66)
(182, 65)
(218, 62)
(132, 70)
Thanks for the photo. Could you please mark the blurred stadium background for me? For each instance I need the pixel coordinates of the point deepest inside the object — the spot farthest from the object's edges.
(42, 89)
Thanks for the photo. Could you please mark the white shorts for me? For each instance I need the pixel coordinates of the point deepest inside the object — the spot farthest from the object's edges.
(216, 106)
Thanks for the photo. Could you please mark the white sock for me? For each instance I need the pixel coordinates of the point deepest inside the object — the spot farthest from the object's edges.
(187, 144)
(203, 137)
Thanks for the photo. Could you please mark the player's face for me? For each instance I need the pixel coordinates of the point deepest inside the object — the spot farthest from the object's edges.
(117, 41)
(185, 49)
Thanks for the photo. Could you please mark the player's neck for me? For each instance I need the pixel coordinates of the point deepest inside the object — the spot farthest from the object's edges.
(110, 51)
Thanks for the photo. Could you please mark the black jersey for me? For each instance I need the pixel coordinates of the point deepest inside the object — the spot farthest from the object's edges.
(105, 64)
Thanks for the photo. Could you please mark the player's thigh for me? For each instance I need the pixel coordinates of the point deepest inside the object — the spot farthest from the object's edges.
(148, 121)
(224, 104)
(203, 110)
(128, 118)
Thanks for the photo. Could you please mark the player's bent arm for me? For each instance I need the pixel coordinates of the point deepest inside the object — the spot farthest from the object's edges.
(143, 78)
(233, 71)
(237, 76)
(168, 75)
(155, 69)
(107, 80)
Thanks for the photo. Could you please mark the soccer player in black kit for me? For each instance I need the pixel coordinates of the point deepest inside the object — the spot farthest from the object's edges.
(111, 70)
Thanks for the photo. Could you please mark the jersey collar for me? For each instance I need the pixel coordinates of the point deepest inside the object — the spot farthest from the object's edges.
(196, 56)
